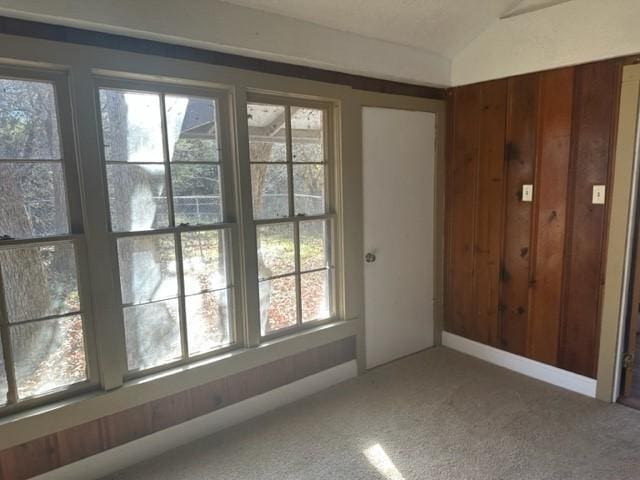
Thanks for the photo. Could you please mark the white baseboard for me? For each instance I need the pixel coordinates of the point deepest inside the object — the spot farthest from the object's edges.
(115, 459)
(531, 368)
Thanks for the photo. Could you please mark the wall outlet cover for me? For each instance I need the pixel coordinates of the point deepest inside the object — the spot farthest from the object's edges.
(598, 194)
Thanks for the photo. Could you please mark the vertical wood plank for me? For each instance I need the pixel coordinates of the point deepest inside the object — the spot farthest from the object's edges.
(461, 198)
(128, 425)
(595, 104)
(489, 205)
(30, 459)
(520, 156)
(554, 141)
(80, 442)
(209, 397)
(172, 410)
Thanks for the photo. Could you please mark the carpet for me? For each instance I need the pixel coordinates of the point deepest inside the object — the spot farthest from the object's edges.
(437, 414)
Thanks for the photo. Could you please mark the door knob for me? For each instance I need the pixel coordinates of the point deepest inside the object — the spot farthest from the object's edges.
(370, 257)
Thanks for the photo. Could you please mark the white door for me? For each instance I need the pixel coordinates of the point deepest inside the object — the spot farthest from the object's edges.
(398, 170)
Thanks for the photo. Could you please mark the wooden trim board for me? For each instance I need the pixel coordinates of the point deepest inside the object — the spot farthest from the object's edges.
(78, 36)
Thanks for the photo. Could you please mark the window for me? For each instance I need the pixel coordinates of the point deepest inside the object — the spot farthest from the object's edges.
(132, 256)
(164, 160)
(43, 320)
(290, 178)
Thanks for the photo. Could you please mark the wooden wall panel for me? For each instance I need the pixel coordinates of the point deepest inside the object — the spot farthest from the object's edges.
(594, 115)
(474, 206)
(554, 143)
(520, 155)
(125, 426)
(171, 410)
(555, 130)
(30, 459)
(52, 451)
(489, 211)
(80, 442)
(462, 175)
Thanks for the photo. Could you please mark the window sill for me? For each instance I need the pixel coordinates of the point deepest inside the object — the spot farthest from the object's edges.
(37, 422)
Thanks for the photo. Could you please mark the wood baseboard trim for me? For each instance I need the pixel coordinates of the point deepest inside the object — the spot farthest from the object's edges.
(525, 366)
(118, 458)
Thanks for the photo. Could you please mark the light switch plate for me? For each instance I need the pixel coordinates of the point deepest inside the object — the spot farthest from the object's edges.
(527, 193)
(598, 195)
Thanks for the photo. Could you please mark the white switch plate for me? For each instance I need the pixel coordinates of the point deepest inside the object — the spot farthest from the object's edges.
(598, 195)
(527, 193)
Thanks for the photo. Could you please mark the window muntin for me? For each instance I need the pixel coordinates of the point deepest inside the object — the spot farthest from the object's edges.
(169, 225)
(290, 192)
(167, 219)
(42, 320)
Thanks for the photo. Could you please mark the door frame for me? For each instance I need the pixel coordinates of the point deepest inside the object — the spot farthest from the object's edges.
(631, 320)
(363, 99)
(619, 272)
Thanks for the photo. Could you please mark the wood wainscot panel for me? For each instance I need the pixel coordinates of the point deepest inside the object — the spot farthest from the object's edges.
(62, 448)
(550, 216)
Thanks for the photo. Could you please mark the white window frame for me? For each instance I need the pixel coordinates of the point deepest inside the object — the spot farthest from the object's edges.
(330, 215)
(229, 224)
(60, 82)
(96, 253)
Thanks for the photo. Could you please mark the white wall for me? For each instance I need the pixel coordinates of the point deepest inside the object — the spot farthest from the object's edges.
(224, 27)
(575, 32)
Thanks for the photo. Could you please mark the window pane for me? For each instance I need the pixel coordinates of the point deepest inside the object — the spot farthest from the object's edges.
(277, 304)
(313, 249)
(137, 197)
(208, 324)
(39, 281)
(147, 268)
(191, 129)
(196, 194)
(203, 258)
(270, 189)
(48, 355)
(267, 139)
(308, 189)
(131, 126)
(276, 255)
(4, 386)
(28, 120)
(307, 135)
(33, 201)
(152, 333)
(314, 288)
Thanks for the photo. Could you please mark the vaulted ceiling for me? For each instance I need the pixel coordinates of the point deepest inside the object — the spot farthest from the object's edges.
(439, 26)
(433, 42)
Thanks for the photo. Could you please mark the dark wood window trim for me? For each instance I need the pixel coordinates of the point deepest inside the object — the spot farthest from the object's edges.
(78, 36)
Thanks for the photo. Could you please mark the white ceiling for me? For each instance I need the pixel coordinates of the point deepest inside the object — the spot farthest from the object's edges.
(416, 41)
(439, 26)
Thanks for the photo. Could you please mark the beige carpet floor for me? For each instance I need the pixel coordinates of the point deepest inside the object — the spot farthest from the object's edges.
(435, 415)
